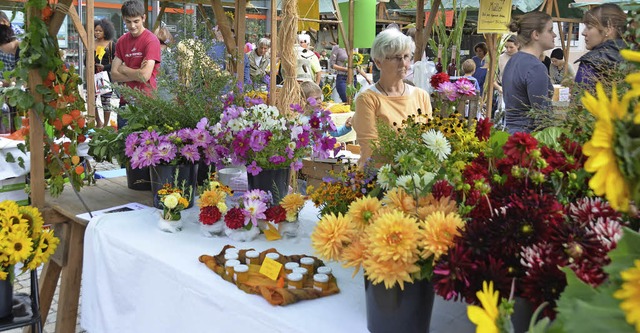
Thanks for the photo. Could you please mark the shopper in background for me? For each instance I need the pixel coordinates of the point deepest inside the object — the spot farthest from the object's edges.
(9, 51)
(526, 83)
(104, 33)
(480, 73)
(4, 20)
(557, 70)
(390, 100)
(605, 26)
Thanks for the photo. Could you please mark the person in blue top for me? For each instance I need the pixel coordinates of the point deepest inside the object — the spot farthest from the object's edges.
(218, 53)
(526, 84)
(469, 68)
(605, 26)
(479, 59)
(310, 89)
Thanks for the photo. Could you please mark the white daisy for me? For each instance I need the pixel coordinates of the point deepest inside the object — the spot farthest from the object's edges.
(437, 143)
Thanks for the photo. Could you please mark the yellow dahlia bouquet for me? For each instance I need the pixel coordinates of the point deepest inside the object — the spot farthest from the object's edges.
(173, 200)
(395, 239)
(23, 240)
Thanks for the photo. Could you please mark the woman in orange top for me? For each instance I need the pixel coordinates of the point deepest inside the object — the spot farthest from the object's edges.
(390, 100)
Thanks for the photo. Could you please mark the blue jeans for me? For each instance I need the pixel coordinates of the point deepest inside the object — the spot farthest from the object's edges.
(341, 86)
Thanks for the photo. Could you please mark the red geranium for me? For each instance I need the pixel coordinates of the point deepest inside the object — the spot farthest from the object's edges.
(234, 218)
(439, 78)
(210, 215)
(276, 214)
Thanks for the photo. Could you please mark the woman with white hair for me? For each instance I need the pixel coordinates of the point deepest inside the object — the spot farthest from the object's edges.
(309, 68)
(390, 100)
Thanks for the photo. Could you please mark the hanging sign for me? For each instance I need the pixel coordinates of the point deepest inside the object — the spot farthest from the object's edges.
(494, 16)
(308, 9)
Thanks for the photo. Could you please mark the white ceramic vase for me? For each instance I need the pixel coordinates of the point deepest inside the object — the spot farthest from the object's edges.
(242, 234)
(169, 226)
(211, 230)
(288, 229)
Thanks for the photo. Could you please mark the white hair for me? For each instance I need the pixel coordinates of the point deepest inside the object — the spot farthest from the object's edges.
(304, 38)
(391, 42)
(264, 42)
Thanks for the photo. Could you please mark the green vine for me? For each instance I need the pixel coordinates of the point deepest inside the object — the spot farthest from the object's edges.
(61, 109)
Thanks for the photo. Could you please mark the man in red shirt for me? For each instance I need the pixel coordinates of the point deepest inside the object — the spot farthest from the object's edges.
(137, 53)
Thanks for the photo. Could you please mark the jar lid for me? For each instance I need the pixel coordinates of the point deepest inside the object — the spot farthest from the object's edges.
(273, 255)
(307, 261)
(321, 278)
(294, 277)
(241, 268)
(252, 254)
(231, 255)
(231, 250)
(300, 270)
(232, 263)
(291, 265)
(324, 270)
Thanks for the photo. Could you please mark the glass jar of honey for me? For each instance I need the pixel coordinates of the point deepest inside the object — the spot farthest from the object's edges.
(302, 271)
(229, 266)
(252, 258)
(324, 270)
(273, 256)
(321, 282)
(288, 267)
(307, 262)
(230, 256)
(241, 273)
(294, 281)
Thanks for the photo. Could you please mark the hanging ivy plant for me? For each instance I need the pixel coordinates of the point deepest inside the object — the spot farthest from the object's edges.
(61, 109)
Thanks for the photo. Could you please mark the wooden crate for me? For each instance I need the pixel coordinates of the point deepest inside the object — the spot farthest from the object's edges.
(316, 170)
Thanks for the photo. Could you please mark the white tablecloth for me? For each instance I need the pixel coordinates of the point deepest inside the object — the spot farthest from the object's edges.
(137, 278)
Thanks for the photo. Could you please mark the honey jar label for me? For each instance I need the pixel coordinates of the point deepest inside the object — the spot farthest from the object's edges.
(270, 268)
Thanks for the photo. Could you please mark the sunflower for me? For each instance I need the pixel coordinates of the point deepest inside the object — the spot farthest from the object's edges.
(293, 202)
(398, 199)
(18, 247)
(33, 217)
(438, 232)
(48, 244)
(392, 244)
(485, 317)
(608, 179)
(629, 293)
(362, 211)
(331, 234)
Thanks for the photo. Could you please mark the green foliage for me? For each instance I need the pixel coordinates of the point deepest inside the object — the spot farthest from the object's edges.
(446, 37)
(107, 144)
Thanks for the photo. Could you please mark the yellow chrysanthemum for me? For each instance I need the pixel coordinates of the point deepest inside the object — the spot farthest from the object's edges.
(629, 293)
(363, 210)
(398, 199)
(353, 256)
(485, 317)
(33, 217)
(330, 236)
(607, 180)
(429, 204)
(210, 199)
(438, 231)
(18, 247)
(391, 246)
(292, 202)
(184, 202)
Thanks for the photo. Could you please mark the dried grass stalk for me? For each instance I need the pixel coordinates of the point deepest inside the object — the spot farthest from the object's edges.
(287, 39)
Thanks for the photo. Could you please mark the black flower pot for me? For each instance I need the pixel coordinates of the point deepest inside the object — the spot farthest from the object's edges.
(138, 179)
(276, 181)
(6, 298)
(395, 310)
(165, 174)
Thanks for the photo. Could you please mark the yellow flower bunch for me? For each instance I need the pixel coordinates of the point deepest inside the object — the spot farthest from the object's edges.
(327, 90)
(340, 108)
(490, 317)
(292, 204)
(215, 195)
(173, 200)
(23, 239)
(263, 95)
(629, 293)
(395, 240)
(358, 58)
(613, 148)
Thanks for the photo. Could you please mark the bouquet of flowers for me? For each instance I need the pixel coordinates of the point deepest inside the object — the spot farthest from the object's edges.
(262, 137)
(213, 206)
(187, 145)
(23, 239)
(448, 93)
(395, 240)
(241, 222)
(340, 189)
(174, 199)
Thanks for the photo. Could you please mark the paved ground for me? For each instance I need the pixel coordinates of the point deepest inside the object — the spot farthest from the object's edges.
(22, 284)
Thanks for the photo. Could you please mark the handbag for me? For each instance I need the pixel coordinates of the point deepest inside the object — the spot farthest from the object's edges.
(102, 82)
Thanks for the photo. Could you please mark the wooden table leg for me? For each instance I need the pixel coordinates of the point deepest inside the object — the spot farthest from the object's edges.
(70, 284)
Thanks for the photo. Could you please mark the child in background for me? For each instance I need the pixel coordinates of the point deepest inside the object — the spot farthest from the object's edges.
(310, 89)
(469, 67)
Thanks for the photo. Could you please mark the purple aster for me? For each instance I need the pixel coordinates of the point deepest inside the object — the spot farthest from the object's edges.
(254, 210)
(148, 156)
(314, 121)
(211, 155)
(203, 124)
(297, 165)
(253, 168)
(290, 153)
(190, 153)
(277, 159)
(131, 143)
(312, 101)
(200, 137)
(258, 140)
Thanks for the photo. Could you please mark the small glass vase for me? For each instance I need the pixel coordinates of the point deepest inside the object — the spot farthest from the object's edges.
(242, 234)
(288, 229)
(212, 230)
(172, 225)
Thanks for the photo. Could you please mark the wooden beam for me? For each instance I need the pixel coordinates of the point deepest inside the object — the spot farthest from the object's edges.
(273, 53)
(343, 34)
(319, 21)
(61, 9)
(36, 132)
(91, 66)
(73, 15)
(426, 33)
(241, 24)
(207, 21)
(492, 46)
(156, 25)
(420, 41)
(224, 27)
(70, 286)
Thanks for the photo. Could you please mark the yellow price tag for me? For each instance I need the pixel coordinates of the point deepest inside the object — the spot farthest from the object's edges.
(270, 268)
(272, 232)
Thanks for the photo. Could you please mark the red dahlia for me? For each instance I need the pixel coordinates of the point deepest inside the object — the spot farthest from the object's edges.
(234, 218)
(439, 78)
(276, 214)
(519, 147)
(210, 215)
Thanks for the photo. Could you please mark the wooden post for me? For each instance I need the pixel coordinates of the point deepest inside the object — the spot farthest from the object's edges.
(426, 33)
(36, 133)
(350, 47)
(420, 41)
(492, 41)
(241, 11)
(156, 25)
(225, 29)
(62, 7)
(343, 34)
(274, 48)
(91, 67)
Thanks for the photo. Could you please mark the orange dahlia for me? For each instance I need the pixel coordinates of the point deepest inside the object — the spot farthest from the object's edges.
(363, 210)
(438, 231)
(331, 234)
(398, 199)
(429, 204)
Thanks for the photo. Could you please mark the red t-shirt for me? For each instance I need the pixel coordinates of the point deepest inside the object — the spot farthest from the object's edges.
(133, 50)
